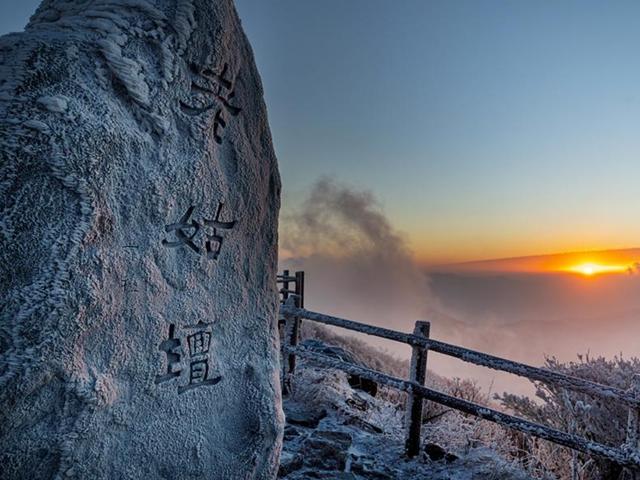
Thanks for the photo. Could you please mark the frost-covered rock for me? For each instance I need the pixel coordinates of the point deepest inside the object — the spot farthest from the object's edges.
(139, 195)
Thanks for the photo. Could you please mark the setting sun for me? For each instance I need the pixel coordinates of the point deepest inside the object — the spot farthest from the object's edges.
(590, 269)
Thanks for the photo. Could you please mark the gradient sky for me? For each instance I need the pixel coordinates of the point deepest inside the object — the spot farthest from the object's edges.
(485, 128)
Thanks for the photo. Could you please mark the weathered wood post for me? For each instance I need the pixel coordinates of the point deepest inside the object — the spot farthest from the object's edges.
(282, 322)
(290, 338)
(285, 286)
(291, 331)
(418, 374)
(300, 288)
(632, 442)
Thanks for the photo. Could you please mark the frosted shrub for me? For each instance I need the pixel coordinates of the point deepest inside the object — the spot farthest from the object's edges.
(596, 419)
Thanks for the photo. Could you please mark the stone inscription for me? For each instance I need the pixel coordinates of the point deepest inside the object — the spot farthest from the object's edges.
(187, 229)
(221, 88)
(198, 346)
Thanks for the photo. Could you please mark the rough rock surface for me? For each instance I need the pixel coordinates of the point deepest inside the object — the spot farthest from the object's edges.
(139, 196)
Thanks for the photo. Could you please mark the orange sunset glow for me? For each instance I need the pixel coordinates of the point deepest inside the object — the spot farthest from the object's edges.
(588, 264)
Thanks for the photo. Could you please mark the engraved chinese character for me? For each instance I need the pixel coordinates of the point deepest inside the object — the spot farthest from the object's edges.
(221, 88)
(186, 230)
(199, 345)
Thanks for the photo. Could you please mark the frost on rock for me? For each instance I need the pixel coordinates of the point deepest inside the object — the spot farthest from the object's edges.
(139, 196)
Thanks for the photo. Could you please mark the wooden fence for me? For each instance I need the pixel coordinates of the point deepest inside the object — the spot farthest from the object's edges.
(293, 312)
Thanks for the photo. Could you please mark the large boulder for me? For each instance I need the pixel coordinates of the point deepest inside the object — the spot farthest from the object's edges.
(139, 196)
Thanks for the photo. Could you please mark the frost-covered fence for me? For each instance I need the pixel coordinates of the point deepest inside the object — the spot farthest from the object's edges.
(292, 290)
(627, 454)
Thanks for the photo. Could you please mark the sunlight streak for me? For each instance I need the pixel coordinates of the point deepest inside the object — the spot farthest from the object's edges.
(590, 269)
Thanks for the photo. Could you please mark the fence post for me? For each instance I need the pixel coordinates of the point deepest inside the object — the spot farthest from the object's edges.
(293, 332)
(418, 374)
(285, 285)
(633, 426)
(290, 338)
(300, 288)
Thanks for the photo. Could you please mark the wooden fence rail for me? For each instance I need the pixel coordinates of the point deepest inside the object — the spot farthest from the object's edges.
(627, 455)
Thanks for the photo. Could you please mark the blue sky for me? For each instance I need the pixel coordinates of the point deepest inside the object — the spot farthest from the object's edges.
(485, 128)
